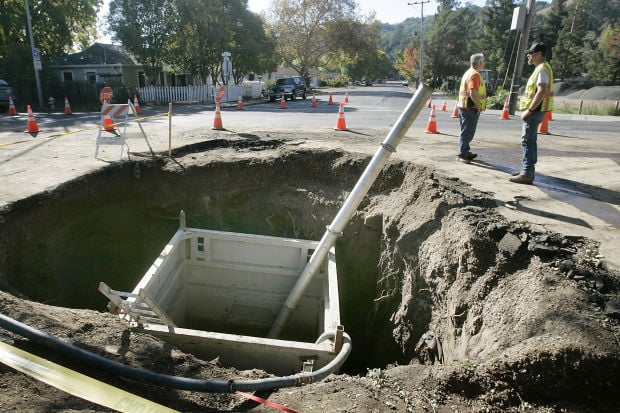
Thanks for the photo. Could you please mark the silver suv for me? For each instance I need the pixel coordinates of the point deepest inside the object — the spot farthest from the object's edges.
(288, 88)
(5, 91)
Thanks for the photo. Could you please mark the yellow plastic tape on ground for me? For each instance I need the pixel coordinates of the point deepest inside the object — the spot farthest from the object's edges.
(76, 383)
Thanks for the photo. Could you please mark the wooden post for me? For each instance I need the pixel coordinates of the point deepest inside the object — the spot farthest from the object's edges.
(170, 129)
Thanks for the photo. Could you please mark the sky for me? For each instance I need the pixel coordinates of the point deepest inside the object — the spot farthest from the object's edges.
(387, 11)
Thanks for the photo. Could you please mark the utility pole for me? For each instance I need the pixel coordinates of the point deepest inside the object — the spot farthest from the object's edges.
(36, 59)
(421, 3)
(523, 42)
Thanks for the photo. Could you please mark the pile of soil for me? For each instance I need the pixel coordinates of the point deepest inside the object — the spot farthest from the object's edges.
(468, 312)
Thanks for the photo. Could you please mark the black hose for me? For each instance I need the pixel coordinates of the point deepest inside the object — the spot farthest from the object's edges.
(174, 382)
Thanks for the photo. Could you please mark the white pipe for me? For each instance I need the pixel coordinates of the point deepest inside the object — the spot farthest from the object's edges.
(387, 147)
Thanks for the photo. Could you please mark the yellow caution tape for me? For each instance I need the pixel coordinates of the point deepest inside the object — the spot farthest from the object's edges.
(76, 383)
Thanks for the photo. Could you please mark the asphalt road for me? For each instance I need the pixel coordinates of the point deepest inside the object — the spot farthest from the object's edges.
(577, 190)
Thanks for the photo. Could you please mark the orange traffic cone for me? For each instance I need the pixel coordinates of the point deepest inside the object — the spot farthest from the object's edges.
(550, 117)
(12, 110)
(108, 123)
(283, 103)
(431, 126)
(32, 124)
(313, 103)
(67, 107)
(217, 121)
(443, 107)
(429, 105)
(455, 112)
(341, 124)
(136, 104)
(543, 127)
(346, 97)
(330, 101)
(506, 111)
(239, 103)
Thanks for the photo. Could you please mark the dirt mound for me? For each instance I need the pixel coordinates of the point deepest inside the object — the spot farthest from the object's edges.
(450, 307)
(571, 91)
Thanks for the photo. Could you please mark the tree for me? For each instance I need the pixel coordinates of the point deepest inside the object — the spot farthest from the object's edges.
(57, 27)
(202, 38)
(553, 23)
(449, 41)
(312, 34)
(251, 48)
(145, 28)
(498, 41)
(605, 61)
(407, 62)
(568, 54)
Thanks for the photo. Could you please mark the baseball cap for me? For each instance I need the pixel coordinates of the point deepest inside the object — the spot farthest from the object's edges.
(537, 47)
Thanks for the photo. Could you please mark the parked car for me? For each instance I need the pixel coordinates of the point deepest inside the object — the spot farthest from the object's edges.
(5, 91)
(288, 88)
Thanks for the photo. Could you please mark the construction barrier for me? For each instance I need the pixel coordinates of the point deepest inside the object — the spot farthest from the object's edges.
(67, 107)
(455, 112)
(32, 123)
(543, 127)
(12, 110)
(341, 123)
(506, 111)
(217, 120)
(136, 105)
(431, 126)
(107, 123)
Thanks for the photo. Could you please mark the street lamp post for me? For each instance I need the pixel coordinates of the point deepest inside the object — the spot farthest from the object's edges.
(36, 59)
(421, 3)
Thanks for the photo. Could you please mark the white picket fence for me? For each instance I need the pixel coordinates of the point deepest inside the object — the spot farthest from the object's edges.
(199, 94)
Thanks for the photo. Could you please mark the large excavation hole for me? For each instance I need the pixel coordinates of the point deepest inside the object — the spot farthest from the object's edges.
(109, 226)
(520, 313)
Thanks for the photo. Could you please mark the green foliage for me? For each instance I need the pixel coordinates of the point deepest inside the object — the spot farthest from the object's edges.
(57, 26)
(448, 44)
(497, 100)
(605, 61)
(497, 37)
(317, 34)
(146, 28)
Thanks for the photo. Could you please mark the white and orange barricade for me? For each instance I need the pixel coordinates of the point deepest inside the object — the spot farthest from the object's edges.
(108, 113)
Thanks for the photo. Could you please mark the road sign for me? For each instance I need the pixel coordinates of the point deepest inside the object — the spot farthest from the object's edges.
(105, 95)
(220, 93)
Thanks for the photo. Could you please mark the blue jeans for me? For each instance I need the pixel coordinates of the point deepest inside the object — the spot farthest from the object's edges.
(468, 119)
(529, 142)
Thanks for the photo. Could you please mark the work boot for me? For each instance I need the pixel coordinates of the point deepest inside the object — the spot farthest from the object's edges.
(521, 179)
(463, 158)
(471, 156)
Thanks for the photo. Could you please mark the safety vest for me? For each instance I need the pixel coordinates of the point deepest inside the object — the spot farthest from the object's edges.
(463, 101)
(531, 87)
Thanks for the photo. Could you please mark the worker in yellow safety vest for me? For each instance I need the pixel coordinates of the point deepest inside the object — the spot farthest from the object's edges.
(472, 100)
(534, 104)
